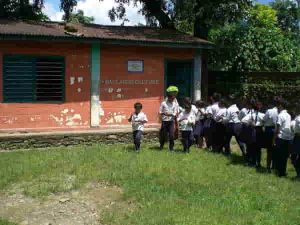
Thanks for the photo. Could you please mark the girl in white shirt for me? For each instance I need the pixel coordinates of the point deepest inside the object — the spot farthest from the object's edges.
(186, 120)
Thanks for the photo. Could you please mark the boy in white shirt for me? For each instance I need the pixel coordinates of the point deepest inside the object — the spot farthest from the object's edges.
(186, 120)
(295, 126)
(207, 127)
(283, 138)
(168, 111)
(138, 120)
(270, 121)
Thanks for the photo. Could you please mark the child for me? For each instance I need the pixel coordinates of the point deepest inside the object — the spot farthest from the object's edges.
(199, 126)
(207, 127)
(283, 138)
(254, 121)
(221, 120)
(270, 120)
(214, 109)
(296, 145)
(188, 100)
(234, 126)
(138, 120)
(186, 122)
(168, 111)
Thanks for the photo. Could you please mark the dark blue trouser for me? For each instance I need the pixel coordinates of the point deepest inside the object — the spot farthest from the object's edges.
(187, 140)
(269, 136)
(282, 155)
(233, 130)
(137, 136)
(296, 154)
(167, 131)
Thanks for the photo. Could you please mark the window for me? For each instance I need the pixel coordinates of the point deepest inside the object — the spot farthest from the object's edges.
(33, 79)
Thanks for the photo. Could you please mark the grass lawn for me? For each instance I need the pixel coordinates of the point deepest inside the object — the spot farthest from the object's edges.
(199, 188)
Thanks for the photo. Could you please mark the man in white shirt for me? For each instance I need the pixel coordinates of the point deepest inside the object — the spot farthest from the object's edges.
(138, 120)
(168, 111)
(186, 121)
(283, 138)
(270, 121)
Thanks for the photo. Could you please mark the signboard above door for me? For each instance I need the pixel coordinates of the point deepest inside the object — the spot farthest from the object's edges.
(135, 66)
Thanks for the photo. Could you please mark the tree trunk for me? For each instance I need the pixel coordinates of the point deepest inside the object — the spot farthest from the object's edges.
(200, 29)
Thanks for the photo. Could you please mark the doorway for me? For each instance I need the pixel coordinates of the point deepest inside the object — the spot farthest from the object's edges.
(180, 74)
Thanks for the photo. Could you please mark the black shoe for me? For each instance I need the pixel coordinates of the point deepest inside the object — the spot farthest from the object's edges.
(269, 170)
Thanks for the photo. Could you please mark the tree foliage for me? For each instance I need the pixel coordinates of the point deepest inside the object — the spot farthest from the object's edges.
(257, 44)
(79, 17)
(201, 14)
(22, 9)
(288, 13)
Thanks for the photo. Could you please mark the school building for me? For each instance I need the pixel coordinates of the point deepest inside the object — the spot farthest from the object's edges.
(56, 76)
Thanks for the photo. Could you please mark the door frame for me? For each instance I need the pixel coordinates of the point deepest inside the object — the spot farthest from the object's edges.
(170, 60)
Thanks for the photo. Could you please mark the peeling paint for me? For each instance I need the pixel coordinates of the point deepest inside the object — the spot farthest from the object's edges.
(119, 90)
(115, 118)
(80, 79)
(59, 121)
(65, 111)
(73, 120)
(110, 90)
(146, 90)
(9, 120)
(67, 118)
(78, 90)
(101, 110)
(119, 96)
(35, 118)
(72, 80)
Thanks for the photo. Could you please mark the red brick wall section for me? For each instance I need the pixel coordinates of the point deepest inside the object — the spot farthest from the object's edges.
(117, 100)
(74, 112)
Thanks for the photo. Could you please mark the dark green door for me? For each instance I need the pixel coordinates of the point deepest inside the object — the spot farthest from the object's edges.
(180, 73)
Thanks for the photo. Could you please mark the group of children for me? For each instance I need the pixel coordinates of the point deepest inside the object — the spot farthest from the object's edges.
(216, 122)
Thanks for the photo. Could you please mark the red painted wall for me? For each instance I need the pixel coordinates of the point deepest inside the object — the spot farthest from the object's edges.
(117, 99)
(74, 112)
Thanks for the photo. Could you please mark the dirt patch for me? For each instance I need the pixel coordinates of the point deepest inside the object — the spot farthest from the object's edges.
(73, 208)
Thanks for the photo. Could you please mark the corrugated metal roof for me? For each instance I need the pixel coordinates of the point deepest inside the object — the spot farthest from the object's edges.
(93, 31)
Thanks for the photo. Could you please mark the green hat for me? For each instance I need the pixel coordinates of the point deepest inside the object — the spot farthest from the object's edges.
(172, 89)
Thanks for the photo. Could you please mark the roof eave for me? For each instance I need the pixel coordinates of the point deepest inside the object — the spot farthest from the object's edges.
(192, 45)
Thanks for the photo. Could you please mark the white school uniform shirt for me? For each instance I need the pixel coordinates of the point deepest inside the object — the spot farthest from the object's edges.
(233, 114)
(295, 125)
(244, 112)
(215, 109)
(200, 114)
(188, 121)
(194, 109)
(284, 125)
(221, 115)
(135, 121)
(254, 118)
(208, 111)
(169, 107)
(271, 117)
